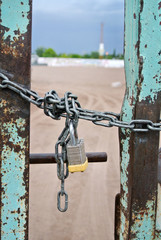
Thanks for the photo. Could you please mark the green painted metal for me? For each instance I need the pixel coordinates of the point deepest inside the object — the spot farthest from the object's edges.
(15, 54)
(139, 151)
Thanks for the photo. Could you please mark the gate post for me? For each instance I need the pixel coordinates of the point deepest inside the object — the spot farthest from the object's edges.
(139, 150)
(15, 54)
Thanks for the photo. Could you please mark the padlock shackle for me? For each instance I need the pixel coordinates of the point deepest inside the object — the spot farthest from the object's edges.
(73, 135)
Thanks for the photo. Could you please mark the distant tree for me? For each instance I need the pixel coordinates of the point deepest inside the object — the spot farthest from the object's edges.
(40, 51)
(86, 56)
(110, 56)
(95, 55)
(114, 53)
(63, 55)
(121, 56)
(74, 55)
(49, 53)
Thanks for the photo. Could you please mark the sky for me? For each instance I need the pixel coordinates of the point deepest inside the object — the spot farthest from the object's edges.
(73, 26)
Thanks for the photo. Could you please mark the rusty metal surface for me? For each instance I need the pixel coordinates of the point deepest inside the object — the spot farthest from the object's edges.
(48, 158)
(139, 151)
(117, 216)
(159, 166)
(15, 48)
(158, 217)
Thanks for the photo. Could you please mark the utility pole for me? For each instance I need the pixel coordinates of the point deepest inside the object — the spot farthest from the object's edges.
(101, 46)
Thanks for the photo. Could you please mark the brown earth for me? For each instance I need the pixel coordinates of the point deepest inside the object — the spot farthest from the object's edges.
(91, 194)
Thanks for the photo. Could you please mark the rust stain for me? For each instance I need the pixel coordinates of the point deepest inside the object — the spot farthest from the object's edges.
(15, 48)
(159, 7)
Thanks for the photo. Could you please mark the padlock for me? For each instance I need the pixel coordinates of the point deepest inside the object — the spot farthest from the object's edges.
(77, 160)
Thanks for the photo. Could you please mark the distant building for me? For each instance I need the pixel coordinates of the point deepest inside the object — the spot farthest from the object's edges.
(34, 59)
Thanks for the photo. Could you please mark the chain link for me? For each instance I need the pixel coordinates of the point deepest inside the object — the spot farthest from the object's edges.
(69, 107)
(62, 166)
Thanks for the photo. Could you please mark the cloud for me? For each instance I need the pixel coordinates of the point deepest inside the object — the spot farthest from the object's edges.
(74, 26)
(78, 7)
(86, 10)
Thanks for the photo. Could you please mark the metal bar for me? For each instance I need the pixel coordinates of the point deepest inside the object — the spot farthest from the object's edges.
(158, 217)
(117, 216)
(15, 49)
(139, 151)
(48, 158)
(159, 166)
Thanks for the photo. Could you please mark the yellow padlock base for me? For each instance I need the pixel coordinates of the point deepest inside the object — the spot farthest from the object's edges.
(78, 168)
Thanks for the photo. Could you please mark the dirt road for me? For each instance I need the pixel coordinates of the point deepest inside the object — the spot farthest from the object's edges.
(91, 194)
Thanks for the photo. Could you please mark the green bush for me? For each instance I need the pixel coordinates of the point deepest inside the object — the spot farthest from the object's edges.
(94, 55)
(43, 52)
(63, 55)
(110, 57)
(49, 53)
(86, 56)
(74, 55)
(40, 51)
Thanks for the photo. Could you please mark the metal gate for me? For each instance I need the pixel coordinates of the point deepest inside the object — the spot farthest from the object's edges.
(138, 205)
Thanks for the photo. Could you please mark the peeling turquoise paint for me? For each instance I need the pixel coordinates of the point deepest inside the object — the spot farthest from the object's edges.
(150, 47)
(13, 210)
(157, 235)
(132, 9)
(15, 31)
(144, 222)
(158, 220)
(124, 178)
(14, 16)
(142, 70)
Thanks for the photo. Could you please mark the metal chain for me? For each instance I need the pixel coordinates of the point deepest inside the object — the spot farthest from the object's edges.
(61, 159)
(62, 165)
(68, 106)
